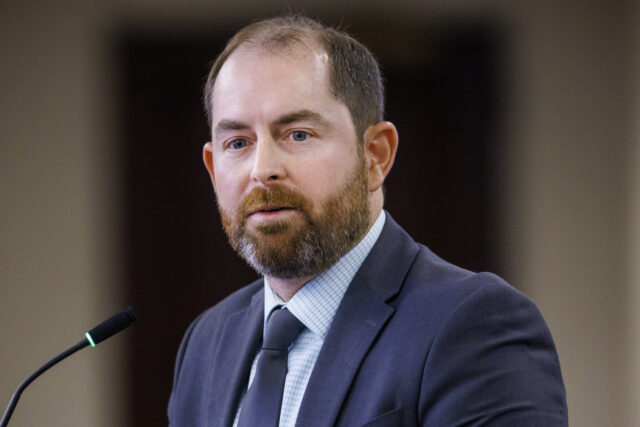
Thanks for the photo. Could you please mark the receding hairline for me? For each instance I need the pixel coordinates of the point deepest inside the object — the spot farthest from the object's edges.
(281, 40)
(276, 40)
(313, 49)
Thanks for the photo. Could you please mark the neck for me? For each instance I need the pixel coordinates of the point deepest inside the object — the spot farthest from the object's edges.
(287, 288)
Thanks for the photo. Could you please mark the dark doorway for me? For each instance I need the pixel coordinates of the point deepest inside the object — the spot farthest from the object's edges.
(443, 97)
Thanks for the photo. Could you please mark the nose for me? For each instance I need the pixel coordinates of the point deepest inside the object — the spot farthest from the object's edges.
(268, 162)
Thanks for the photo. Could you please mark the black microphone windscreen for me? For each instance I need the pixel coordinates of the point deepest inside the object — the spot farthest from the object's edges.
(112, 325)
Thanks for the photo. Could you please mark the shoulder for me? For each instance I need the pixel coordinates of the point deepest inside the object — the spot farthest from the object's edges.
(483, 328)
(431, 279)
(409, 276)
(211, 319)
(203, 333)
(206, 328)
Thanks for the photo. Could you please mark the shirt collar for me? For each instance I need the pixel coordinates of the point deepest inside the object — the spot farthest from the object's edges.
(316, 303)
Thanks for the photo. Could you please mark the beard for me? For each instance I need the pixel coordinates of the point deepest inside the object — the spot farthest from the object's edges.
(307, 244)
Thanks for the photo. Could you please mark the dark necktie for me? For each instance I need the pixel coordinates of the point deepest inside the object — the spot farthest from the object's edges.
(261, 406)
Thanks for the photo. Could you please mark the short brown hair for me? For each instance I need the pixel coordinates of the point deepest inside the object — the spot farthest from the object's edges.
(354, 73)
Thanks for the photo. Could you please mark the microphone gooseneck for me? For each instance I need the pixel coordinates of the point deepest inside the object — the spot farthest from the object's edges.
(104, 330)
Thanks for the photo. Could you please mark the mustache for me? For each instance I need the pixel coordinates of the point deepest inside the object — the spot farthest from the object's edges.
(276, 195)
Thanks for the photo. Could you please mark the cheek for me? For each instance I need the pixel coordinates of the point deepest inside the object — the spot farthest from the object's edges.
(322, 177)
(228, 190)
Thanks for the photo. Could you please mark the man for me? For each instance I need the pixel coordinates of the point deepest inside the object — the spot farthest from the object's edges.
(380, 331)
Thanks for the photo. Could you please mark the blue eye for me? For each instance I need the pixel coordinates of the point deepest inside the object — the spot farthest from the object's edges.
(238, 144)
(299, 135)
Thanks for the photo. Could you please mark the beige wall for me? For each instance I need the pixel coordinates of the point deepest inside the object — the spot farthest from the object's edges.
(568, 193)
(57, 275)
(632, 382)
(570, 240)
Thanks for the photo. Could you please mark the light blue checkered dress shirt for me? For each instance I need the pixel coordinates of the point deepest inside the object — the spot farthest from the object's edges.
(315, 305)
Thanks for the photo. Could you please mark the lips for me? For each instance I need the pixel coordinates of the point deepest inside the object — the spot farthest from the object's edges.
(269, 209)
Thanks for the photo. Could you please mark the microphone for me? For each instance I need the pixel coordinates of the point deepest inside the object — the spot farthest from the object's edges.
(104, 330)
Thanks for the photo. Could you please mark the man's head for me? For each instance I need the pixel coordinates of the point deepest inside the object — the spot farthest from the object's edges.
(354, 74)
(297, 184)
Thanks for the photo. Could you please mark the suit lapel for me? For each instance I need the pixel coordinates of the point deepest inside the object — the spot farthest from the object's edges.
(240, 341)
(362, 315)
(341, 355)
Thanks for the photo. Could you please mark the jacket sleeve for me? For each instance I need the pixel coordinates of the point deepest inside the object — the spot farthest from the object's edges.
(493, 363)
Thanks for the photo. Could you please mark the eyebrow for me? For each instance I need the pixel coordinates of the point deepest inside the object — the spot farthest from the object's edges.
(226, 124)
(288, 118)
(302, 115)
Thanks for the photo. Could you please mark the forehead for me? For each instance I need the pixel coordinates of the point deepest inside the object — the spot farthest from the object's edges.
(252, 77)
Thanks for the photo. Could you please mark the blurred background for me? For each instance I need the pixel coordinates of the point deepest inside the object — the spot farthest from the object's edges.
(519, 153)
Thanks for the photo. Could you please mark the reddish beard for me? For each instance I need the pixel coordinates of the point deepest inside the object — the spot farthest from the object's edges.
(308, 243)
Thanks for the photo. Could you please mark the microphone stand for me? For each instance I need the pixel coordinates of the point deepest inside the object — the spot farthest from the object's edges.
(16, 395)
(104, 330)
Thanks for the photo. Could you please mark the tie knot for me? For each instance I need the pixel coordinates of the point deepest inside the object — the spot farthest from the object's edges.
(282, 328)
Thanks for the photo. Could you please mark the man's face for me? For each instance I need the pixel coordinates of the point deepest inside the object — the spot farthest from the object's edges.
(289, 176)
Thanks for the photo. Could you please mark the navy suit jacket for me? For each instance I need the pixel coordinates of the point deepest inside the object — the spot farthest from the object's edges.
(416, 341)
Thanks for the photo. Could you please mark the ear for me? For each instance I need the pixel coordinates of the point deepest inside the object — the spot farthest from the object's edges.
(380, 146)
(207, 157)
